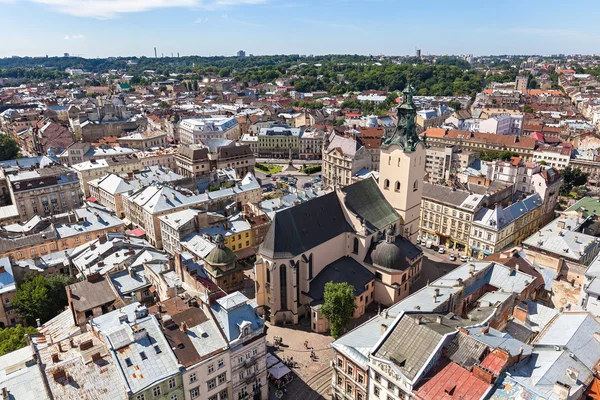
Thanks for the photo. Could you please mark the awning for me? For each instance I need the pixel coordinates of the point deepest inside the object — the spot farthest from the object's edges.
(271, 360)
(279, 370)
(137, 232)
(91, 199)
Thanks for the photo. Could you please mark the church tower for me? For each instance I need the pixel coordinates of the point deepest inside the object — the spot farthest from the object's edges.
(402, 168)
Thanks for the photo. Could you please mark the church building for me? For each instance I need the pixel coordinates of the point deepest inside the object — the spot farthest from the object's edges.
(362, 234)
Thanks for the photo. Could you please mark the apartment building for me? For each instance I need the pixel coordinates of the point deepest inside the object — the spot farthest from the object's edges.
(192, 160)
(8, 315)
(343, 157)
(45, 191)
(197, 130)
(279, 141)
(38, 236)
(244, 330)
(93, 169)
(109, 191)
(554, 156)
(79, 152)
(495, 229)
(480, 142)
(144, 140)
(200, 348)
(442, 163)
(311, 144)
(447, 215)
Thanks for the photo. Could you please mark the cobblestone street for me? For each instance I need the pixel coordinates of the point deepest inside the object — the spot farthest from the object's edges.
(313, 378)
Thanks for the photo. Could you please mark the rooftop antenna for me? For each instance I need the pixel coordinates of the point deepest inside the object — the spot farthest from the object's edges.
(155, 55)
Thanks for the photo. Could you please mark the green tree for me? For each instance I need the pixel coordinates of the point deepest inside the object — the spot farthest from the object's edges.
(41, 297)
(455, 105)
(9, 148)
(528, 109)
(164, 105)
(572, 177)
(162, 88)
(224, 72)
(13, 338)
(339, 306)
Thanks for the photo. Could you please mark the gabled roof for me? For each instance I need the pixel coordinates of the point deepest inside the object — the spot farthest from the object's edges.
(365, 200)
(298, 229)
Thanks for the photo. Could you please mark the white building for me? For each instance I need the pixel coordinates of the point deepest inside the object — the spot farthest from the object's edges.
(196, 130)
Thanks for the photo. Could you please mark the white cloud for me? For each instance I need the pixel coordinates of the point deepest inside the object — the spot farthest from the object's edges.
(200, 20)
(74, 37)
(106, 9)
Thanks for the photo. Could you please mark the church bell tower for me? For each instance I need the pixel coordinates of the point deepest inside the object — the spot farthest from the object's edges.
(402, 167)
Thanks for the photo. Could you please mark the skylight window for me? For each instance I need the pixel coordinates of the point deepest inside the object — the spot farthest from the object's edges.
(128, 362)
(143, 355)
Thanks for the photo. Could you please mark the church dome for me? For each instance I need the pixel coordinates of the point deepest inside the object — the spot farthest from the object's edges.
(221, 255)
(388, 255)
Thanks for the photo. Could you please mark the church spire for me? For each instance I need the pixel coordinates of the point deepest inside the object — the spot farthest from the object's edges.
(405, 135)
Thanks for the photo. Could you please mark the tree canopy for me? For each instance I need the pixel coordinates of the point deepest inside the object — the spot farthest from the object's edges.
(491, 155)
(13, 338)
(9, 148)
(572, 177)
(339, 306)
(41, 297)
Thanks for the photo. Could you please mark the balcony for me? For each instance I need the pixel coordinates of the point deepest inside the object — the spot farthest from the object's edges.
(250, 361)
(250, 378)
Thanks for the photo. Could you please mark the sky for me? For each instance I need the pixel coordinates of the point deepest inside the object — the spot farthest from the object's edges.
(103, 28)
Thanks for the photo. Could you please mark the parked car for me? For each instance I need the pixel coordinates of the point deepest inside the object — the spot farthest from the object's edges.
(284, 178)
(268, 175)
(452, 257)
(441, 250)
(429, 244)
(464, 258)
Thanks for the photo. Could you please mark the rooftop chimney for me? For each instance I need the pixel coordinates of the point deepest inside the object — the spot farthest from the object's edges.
(520, 312)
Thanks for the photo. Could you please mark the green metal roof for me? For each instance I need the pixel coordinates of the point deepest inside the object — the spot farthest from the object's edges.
(587, 206)
(365, 199)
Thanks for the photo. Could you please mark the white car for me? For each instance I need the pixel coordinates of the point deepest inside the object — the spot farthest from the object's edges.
(452, 257)
(441, 250)
(464, 258)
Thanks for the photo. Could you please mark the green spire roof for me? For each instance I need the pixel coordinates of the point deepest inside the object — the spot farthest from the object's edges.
(405, 135)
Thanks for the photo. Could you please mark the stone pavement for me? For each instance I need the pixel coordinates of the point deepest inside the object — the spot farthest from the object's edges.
(313, 378)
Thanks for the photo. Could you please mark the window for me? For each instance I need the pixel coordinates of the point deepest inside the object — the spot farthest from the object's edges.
(283, 286)
(359, 396)
(377, 377)
(350, 370)
(221, 363)
(223, 395)
(211, 368)
(339, 380)
(140, 397)
(195, 393)
(174, 397)
(415, 186)
(172, 383)
(254, 351)
(128, 362)
(194, 378)
(397, 186)
(222, 378)
(212, 384)
(340, 363)
(143, 355)
(156, 391)
(361, 378)
(376, 391)
(348, 388)
(386, 184)
(355, 247)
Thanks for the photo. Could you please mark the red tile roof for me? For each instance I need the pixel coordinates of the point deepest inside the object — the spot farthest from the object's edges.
(452, 382)
(481, 137)
(494, 363)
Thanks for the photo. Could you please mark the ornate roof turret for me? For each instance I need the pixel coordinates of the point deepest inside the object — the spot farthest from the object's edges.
(405, 135)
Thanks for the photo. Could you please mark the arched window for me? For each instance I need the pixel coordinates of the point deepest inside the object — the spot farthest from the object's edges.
(268, 274)
(386, 184)
(415, 186)
(397, 186)
(355, 247)
(283, 286)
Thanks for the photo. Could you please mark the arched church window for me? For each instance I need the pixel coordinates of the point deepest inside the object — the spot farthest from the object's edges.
(355, 247)
(397, 186)
(415, 186)
(386, 184)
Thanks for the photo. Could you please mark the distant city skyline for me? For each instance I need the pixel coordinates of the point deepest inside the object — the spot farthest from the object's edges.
(106, 28)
